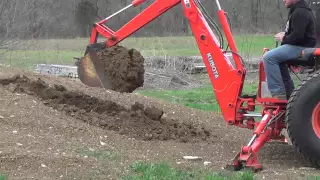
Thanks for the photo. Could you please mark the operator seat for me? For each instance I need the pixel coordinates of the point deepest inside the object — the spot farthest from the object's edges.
(307, 58)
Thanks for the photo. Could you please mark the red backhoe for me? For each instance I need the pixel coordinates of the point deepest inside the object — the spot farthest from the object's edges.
(300, 115)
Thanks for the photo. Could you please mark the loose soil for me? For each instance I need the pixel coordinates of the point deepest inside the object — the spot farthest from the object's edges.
(56, 128)
(137, 122)
(124, 67)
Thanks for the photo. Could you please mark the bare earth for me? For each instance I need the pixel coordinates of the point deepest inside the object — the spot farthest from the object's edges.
(71, 131)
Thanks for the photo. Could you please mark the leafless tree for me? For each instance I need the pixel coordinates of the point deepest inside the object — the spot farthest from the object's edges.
(57, 18)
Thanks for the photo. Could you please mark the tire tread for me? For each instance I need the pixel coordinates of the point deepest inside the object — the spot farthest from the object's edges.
(294, 96)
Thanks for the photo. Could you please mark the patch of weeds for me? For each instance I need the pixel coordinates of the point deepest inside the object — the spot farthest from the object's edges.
(314, 178)
(162, 171)
(242, 175)
(3, 176)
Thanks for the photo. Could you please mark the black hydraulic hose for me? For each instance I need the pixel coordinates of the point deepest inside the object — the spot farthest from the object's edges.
(216, 27)
(220, 37)
(235, 54)
(212, 22)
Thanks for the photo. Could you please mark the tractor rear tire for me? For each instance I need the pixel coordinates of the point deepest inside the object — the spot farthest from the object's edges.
(303, 119)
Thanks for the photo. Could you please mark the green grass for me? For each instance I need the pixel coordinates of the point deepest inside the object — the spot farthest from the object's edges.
(28, 59)
(248, 45)
(314, 178)
(199, 98)
(62, 51)
(3, 176)
(162, 171)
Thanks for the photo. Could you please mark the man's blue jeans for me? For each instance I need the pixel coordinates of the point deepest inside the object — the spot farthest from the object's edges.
(277, 72)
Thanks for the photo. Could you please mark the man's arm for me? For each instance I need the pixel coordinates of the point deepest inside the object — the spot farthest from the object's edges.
(299, 23)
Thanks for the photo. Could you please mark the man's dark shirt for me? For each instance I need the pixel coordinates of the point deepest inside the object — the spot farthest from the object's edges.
(300, 29)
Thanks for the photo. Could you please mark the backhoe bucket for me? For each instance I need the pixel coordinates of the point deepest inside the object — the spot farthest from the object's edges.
(91, 70)
(116, 68)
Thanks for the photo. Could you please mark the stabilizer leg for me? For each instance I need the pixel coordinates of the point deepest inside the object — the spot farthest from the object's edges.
(247, 157)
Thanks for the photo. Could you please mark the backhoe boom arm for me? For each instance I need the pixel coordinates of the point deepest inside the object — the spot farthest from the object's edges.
(227, 80)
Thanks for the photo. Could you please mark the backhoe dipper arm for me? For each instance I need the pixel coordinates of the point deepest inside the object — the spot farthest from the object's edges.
(227, 81)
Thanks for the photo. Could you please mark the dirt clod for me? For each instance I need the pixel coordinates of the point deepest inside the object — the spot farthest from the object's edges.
(153, 113)
(125, 68)
(137, 122)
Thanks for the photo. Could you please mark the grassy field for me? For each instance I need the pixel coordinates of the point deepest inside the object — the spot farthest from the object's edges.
(199, 98)
(61, 51)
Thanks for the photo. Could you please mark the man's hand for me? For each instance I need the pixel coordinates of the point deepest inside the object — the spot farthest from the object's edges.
(279, 36)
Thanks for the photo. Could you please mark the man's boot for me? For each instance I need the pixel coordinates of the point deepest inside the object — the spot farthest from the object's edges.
(280, 96)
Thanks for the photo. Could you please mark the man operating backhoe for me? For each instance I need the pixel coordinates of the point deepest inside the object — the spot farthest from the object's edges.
(299, 34)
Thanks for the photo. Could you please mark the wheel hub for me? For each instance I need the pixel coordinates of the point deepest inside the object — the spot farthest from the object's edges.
(316, 120)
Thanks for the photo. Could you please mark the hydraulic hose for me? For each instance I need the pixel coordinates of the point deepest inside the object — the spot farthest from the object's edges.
(212, 23)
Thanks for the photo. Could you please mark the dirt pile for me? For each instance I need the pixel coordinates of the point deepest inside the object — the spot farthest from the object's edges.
(138, 122)
(125, 68)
